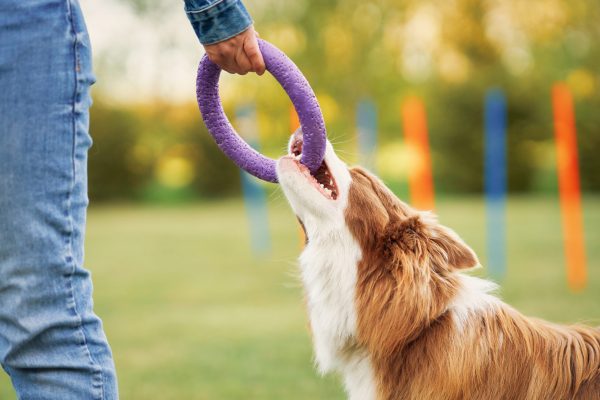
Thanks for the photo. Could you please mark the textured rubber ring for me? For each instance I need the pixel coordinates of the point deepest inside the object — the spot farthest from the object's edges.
(300, 93)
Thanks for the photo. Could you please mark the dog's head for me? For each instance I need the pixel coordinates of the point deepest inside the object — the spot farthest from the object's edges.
(408, 260)
(337, 196)
(319, 200)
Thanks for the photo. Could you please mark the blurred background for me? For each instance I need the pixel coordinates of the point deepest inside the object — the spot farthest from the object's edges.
(194, 305)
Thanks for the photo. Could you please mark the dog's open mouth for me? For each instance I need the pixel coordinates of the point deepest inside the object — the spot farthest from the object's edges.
(322, 179)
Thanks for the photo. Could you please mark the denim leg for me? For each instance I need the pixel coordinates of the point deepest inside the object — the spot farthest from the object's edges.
(51, 343)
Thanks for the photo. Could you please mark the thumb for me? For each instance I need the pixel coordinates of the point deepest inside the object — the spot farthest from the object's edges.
(254, 55)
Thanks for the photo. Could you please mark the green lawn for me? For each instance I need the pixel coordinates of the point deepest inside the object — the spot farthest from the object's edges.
(192, 314)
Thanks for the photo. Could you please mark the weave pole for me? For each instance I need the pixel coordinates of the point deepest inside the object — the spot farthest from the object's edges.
(366, 132)
(294, 120)
(254, 194)
(495, 181)
(568, 186)
(420, 177)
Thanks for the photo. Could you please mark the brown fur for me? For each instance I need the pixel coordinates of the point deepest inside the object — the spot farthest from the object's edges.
(406, 280)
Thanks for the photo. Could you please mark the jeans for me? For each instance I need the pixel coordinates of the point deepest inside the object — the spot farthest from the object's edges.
(51, 343)
(217, 20)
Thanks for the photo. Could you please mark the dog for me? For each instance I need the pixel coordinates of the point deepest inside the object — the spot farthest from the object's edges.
(391, 310)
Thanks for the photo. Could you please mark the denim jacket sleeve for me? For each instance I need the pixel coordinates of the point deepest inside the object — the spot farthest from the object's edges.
(217, 20)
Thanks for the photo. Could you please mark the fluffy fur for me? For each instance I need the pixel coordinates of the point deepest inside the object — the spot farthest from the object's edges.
(391, 310)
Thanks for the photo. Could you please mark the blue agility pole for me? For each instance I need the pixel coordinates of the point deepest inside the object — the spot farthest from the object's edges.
(495, 181)
(254, 194)
(366, 130)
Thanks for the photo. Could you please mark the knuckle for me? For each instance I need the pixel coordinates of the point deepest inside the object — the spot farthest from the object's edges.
(226, 51)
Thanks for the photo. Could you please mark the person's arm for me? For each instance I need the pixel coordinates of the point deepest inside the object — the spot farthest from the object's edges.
(225, 29)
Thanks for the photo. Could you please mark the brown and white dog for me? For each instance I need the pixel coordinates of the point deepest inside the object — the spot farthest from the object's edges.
(391, 310)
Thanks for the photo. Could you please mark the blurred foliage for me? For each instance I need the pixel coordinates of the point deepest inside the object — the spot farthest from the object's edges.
(111, 172)
(155, 151)
(449, 53)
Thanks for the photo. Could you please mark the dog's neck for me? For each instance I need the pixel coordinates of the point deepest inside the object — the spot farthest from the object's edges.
(328, 266)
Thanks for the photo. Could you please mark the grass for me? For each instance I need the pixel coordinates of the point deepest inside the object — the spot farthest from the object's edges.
(191, 313)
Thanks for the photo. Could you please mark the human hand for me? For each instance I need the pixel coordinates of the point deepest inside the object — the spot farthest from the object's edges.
(239, 54)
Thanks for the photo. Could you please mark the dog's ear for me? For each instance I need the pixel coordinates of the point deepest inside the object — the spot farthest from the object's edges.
(458, 253)
(408, 237)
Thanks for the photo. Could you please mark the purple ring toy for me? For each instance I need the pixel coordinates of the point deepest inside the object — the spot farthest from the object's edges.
(295, 85)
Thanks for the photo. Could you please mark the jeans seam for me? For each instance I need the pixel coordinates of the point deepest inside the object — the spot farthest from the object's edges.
(69, 258)
(206, 8)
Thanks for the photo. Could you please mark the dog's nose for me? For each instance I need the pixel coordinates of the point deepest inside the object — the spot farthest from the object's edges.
(297, 135)
(296, 142)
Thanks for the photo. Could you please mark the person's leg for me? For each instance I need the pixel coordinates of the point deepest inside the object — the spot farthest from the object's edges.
(51, 343)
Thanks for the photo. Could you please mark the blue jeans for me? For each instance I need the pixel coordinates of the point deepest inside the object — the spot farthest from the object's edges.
(51, 343)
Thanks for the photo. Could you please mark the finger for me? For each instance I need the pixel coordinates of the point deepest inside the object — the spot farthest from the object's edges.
(213, 56)
(226, 59)
(230, 66)
(221, 63)
(254, 55)
(232, 70)
(219, 55)
(243, 63)
(227, 53)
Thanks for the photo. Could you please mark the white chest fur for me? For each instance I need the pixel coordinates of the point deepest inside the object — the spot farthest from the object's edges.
(329, 270)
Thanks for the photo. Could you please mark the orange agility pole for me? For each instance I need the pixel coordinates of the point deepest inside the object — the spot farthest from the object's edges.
(568, 185)
(420, 178)
(294, 120)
